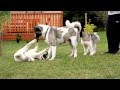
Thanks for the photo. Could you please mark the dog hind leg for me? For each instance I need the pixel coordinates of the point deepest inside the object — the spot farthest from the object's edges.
(94, 48)
(74, 44)
(72, 50)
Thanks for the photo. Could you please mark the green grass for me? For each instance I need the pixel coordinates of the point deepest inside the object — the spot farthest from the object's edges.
(99, 66)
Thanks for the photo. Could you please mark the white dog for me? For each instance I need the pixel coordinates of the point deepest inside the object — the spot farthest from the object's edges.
(89, 42)
(57, 35)
(24, 54)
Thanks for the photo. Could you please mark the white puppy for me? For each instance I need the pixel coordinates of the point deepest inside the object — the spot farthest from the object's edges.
(24, 54)
(89, 42)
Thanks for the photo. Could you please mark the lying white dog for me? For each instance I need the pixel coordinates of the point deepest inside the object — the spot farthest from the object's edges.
(24, 54)
(89, 42)
(57, 35)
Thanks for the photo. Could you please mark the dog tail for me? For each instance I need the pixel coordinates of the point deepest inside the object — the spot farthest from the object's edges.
(95, 33)
(75, 24)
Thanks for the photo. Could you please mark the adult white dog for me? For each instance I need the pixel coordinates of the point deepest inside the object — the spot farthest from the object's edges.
(89, 42)
(24, 54)
(56, 35)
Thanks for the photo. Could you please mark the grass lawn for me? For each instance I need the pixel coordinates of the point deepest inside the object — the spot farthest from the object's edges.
(99, 66)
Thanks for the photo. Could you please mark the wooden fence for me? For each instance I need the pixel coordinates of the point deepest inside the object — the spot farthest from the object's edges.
(23, 23)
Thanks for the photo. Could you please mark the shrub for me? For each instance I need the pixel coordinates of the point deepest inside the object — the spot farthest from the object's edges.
(18, 38)
(89, 28)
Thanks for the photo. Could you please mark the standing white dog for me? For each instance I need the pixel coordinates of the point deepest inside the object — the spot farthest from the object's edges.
(24, 54)
(89, 42)
(57, 35)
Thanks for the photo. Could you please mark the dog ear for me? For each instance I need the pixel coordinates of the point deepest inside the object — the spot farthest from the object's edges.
(37, 28)
(41, 28)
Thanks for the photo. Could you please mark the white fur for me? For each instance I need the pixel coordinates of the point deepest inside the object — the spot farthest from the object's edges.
(89, 46)
(52, 49)
(24, 54)
(73, 24)
(53, 52)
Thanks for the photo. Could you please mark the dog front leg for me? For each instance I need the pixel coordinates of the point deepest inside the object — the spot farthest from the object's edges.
(86, 49)
(49, 52)
(75, 52)
(26, 47)
(53, 52)
(72, 53)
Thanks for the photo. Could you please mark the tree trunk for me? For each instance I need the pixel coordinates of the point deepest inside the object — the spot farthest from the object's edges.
(0, 45)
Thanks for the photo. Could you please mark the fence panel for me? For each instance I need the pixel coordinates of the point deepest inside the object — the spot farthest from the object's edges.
(24, 22)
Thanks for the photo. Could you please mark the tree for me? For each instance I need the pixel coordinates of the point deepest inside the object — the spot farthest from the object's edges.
(4, 18)
(97, 17)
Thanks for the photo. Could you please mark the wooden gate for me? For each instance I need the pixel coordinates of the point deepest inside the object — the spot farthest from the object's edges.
(23, 22)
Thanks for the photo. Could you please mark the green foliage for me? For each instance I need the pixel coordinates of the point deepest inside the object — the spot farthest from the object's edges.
(97, 17)
(89, 28)
(4, 18)
(18, 37)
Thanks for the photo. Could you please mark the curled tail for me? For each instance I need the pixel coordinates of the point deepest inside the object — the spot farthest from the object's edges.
(75, 24)
(95, 33)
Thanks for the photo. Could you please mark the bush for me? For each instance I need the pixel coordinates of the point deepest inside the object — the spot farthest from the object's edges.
(89, 28)
(18, 37)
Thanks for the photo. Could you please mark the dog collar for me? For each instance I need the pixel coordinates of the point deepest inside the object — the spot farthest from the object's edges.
(46, 31)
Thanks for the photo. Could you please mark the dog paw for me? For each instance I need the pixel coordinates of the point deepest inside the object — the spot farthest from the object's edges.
(75, 56)
(31, 60)
(85, 54)
(51, 59)
(71, 55)
(91, 54)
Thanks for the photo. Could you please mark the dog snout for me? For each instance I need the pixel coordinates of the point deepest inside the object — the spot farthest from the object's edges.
(37, 35)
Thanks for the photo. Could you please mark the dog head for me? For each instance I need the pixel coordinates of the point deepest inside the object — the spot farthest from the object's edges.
(38, 31)
(41, 30)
